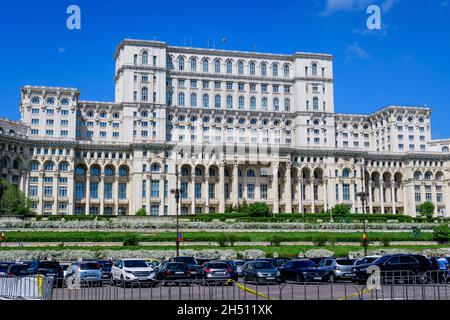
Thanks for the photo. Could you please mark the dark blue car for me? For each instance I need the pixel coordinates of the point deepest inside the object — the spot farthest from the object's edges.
(303, 270)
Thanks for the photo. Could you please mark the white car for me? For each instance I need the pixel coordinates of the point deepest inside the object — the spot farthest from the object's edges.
(129, 270)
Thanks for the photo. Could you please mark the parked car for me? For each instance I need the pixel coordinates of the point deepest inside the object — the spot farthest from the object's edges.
(217, 271)
(89, 272)
(64, 267)
(194, 267)
(239, 264)
(272, 261)
(317, 260)
(282, 261)
(233, 267)
(4, 268)
(172, 271)
(366, 260)
(397, 267)
(260, 271)
(202, 261)
(302, 270)
(129, 270)
(15, 269)
(45, 268)
(337, 269)
(106, 267)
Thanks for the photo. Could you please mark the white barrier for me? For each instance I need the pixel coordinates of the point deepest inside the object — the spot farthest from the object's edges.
(25, 288)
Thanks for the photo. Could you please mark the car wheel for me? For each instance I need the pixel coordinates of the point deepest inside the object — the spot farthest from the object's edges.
(421, 278)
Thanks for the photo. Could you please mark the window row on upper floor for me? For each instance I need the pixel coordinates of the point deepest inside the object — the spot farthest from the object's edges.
(229, 120)
(50, 101)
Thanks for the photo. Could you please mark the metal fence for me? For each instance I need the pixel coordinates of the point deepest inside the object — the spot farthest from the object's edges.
(398, 285)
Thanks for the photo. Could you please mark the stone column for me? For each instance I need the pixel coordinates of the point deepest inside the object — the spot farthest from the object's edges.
(394, 208)
(325, 194)
(370, 197)
(24, 182)
(341, 192)
(353, 196)
(434, 198)
(235, 184)
(300, 197)
(70, 194)
(447, 198)
(116, 198)
(161, 194)
(221, 187)
(313, 201)
(101, 193)
(276, 200)
(381, 196)
(206, 185)
(40, 206)
(288, 188)
(193, 194)
(88, 193)
(55, 193)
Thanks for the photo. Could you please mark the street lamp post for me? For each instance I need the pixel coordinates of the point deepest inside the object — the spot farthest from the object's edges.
(364, 195)
(176, 192)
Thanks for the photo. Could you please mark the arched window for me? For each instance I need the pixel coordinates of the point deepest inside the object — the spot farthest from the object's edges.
(181, 99)
(250, 173)
(316, 103)
(63, 167)
(399, 119)
(217, 101)
(253, 103)
(145, 57)
(241, 120)
(35, 100)
(169, 63)
(287, 104)
(144, 114)
(205, 101)
(217, 66)
(205, 65)
(276, 104)
(314, 70)
(144, 95)
(439, 176)
(193, 100)
(181, 63)
(428, 175)
(252, 69)
(286, 70)
(212, 172)
(193, 64)
(184, 172)
(241, 102)
(264, 103)
(198, 172)
(95, 171)
(253, 121)
(275, 70)
(229, 67)
(79, 171)
(240, 67)
(49, 166)
(50, 101)
(64, 102)
(417, 175)
(264, 69)
(346, 173)
(109, 172)
(230, 120)
(155, 168)
(34, 166)
(123, 172)
(103, 115)
(169, 98)
(229, 102)
(218, 120)
(445, 149)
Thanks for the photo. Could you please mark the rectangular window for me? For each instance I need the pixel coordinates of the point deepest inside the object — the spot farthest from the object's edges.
(144, 188)
(93, 190)
(108, 191)
(184, 190)
(198, 190)
(79, 190)
(240, 191)
(155, 188)
(212, 191)
(346, 191)
(154, 210)
(122, 191)
(264, 191)
(63, 192)
(33, 191)
(251, 191)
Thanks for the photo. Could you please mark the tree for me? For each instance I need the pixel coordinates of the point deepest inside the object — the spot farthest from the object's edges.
(341, 210)
(141, 213)
(15, 202)
(441, 233)
(258, 209)
(426, 209)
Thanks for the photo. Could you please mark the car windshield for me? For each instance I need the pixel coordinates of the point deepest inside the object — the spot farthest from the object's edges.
(345, 262)
(135, 264)
(263, 265)
(49, 264)
(177, 267)
(240, 263)
(64, 267)
(382, 259)
(368, 260)
(217, 265)
(105, 265)
(90, 266)
(186, 260)
(18, 267)
(304, 264)
(4, 266)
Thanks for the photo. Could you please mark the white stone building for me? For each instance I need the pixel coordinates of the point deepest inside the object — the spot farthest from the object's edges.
(240, 125)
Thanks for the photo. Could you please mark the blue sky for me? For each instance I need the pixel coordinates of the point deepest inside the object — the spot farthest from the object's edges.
(405, 63)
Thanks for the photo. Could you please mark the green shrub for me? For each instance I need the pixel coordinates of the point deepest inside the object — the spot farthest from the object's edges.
(222, 240)
(319, 240)
(340, 210)
(131, 240)
(441, 233)
(141, 213)
(385, 240)
(275, 241)
(258, 209)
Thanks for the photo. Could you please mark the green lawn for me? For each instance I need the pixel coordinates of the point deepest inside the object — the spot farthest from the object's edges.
(96, 236)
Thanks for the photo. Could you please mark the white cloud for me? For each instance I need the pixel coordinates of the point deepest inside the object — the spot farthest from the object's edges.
(367, 32)
(356, 52)
(61, 50)
(333, 6)
(444, 4)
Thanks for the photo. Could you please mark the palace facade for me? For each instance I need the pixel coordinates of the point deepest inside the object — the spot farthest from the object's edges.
(236, 125)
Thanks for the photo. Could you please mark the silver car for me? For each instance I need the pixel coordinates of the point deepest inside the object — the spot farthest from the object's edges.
(216, 271)
(87, 272)
(337, 269)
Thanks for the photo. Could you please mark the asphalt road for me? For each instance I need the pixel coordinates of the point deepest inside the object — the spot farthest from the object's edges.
(288, 291)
